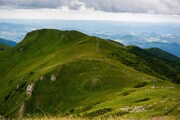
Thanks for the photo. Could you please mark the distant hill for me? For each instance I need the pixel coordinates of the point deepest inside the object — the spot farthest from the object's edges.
(53, 72)
(141, 40)
(8, 42)
(155, 65)
(163, 54)
(4, 47)
(173, 48)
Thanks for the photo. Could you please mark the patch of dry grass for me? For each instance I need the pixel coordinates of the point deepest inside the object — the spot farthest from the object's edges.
(107, 118)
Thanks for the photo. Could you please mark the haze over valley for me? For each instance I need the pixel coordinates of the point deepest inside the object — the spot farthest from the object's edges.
(145, 35)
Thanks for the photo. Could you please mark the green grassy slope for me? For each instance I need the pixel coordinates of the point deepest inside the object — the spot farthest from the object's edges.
(163, 54)
(4, 47)
(146, 62)
(75, 74)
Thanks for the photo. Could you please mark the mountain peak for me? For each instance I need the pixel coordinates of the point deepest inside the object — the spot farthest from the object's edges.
(49, 37)
(68, 72)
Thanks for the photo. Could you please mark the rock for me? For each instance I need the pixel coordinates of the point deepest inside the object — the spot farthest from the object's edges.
(153, 87)
(22, 111)
(140, 108)
(53, 77)
(125, 108)
(134, 109)
(29, 89)
(42, 77)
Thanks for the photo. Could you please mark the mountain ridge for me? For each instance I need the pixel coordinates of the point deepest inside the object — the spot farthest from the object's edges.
(70, 73)
(8, 42)
(163, 54)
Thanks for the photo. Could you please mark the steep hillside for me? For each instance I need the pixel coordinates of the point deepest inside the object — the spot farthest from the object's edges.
(157, 66)
(54, 72)
(146, 62)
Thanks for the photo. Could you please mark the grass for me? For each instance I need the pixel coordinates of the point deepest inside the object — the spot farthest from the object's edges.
(108, 118)
(163, 54)
(4, 47)
(111, 80)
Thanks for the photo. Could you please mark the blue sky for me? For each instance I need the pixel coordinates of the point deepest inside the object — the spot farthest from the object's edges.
(118, 10)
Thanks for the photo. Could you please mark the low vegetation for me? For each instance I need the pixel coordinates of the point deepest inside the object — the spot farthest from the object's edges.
(69, 75)
(4, 47)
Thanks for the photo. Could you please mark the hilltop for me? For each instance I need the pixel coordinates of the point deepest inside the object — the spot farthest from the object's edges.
(53, 72)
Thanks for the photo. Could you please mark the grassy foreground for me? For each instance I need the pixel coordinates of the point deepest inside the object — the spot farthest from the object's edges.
(107, 118)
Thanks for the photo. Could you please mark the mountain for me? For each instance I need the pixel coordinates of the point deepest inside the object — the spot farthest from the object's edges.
(173, 48)
(53, 72)
(151, 64)
(8, 42)
(4, 47)
(163, 54)
(166, 42)
(145, 35)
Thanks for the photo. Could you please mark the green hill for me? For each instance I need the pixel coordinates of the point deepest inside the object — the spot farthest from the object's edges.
(4, 47)
(163, 54)
(53, 72)
(156, 65)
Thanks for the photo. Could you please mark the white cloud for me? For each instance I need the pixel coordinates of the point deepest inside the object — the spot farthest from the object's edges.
(136, 6)
(122, 6)
(120, 10)
(84, 14)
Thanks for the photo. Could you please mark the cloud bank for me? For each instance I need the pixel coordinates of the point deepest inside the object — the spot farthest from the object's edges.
(169, 7)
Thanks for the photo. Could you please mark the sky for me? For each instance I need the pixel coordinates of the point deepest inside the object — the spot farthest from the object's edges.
(115, 10)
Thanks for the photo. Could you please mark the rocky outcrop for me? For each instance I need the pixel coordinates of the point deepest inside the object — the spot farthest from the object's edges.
(30, 89)
(22, 111)
(53, 77)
